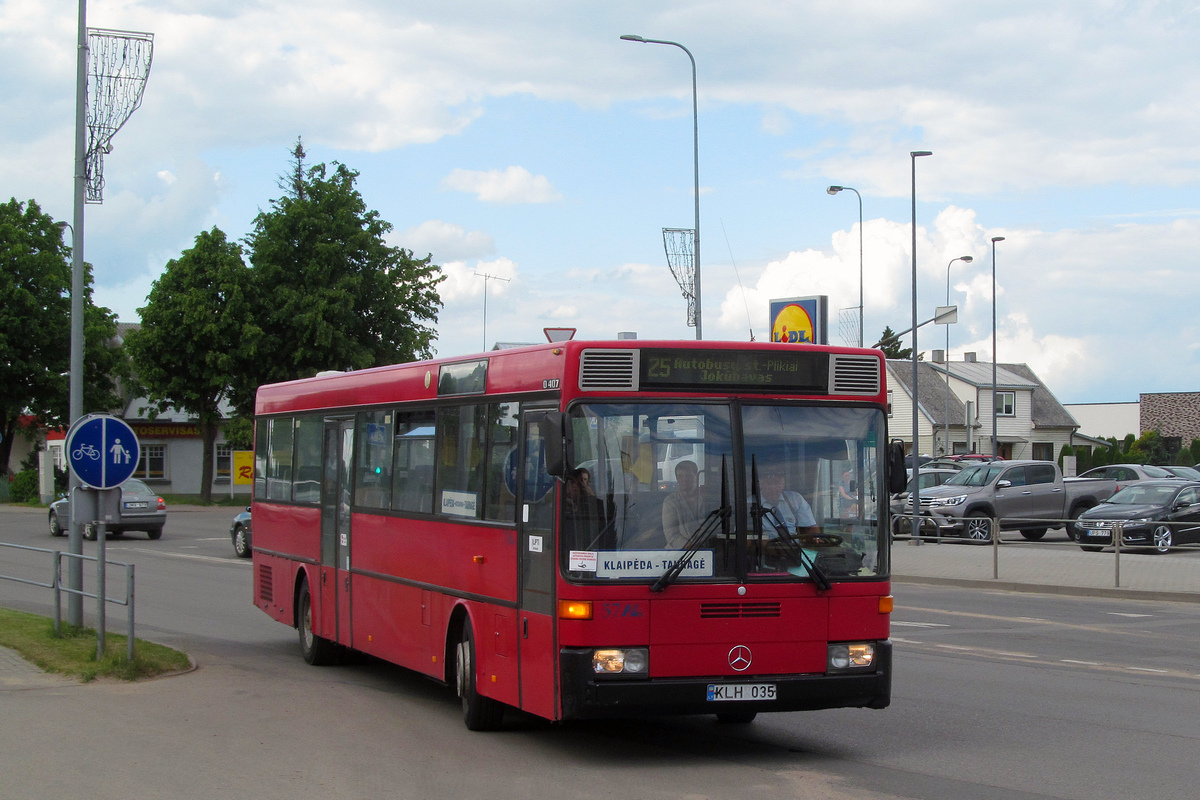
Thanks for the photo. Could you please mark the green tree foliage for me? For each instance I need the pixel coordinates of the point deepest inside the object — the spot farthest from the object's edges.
(891, 346)
(1149, 448)
(329, 292)
(187, 352)
(35, 326)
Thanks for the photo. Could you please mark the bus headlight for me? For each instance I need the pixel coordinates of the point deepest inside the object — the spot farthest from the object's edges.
(849, 657)
(629, 661)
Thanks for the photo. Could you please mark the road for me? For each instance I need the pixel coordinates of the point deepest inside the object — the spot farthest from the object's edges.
(997, 695)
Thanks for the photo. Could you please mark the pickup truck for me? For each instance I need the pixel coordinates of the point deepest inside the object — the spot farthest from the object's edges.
(1030, 496)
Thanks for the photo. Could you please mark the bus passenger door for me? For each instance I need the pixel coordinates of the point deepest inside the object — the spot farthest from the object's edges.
(536, 563)
(335, 531)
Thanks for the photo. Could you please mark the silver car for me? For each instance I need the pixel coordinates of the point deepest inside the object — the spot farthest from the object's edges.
(141, 509)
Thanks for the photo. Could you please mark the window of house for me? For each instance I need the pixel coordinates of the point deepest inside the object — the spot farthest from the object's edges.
(152, 463)
(1043, 451)
(223, 459)
(1006, 404)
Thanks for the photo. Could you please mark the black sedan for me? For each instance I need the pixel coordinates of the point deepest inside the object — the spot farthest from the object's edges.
(1157, 514)
(240, 533)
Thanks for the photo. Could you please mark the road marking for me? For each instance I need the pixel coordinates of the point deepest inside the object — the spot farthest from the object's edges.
(919, 624)
(1147, 669)
(905, 641)
(212, 559)
(1121, 614)
(1084, 663)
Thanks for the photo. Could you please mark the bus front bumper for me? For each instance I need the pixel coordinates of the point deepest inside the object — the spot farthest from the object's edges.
(586, 697)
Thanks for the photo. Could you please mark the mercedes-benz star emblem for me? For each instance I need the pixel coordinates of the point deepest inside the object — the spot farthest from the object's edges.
(740, 658)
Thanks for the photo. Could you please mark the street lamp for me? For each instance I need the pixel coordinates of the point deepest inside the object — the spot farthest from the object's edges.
(630, 37)
(916, 492)
(994, 240)
(835, 190)
(946, 441)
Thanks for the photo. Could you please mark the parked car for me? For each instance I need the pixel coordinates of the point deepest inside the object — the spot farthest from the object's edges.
(1143, 508)
(901, 525)
(1125, 474)
(972, 458)
(140, 509)
(943, 463)
(1027, 495)
(240, 533)
(1187, 473)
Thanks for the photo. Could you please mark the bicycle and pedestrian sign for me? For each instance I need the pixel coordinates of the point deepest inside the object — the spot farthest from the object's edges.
(102, 451)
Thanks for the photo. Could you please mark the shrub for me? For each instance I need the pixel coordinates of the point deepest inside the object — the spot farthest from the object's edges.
(24, 487)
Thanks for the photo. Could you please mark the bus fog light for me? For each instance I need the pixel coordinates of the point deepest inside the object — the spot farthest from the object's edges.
(637, 661)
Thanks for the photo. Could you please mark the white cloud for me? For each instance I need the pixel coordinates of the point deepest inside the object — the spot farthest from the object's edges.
(509, 187)
(444, 240)
(465, 280)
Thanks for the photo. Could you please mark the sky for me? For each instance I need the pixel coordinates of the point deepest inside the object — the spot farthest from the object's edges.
(526, 141)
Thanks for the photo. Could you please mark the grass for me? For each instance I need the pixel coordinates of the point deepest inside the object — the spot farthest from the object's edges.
(73, 652)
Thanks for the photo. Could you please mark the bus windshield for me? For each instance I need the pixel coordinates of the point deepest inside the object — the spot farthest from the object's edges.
(740, 491)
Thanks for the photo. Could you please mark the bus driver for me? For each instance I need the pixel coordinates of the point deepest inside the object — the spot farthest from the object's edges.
(788, 509)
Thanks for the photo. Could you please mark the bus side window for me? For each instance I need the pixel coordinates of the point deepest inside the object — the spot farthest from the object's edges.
(412, 461)
(500, 503)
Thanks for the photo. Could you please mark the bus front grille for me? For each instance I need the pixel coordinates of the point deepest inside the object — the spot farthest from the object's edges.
(738, 610)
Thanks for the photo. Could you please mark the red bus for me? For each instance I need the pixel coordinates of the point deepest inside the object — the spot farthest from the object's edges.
(590, 529)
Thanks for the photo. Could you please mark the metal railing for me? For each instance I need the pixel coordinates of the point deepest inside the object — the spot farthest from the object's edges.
(1113, 536)
(100, 595)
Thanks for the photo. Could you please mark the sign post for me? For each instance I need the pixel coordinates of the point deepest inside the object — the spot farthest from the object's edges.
(102, 453)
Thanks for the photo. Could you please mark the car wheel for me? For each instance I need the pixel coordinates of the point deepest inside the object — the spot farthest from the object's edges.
(736, 717)
(1090, 548)
(241, 541)
(155, 533)
(55, 529)
(978, 527)
(1033, 534)
(317, 650)
(479, 713)
(1163, 540)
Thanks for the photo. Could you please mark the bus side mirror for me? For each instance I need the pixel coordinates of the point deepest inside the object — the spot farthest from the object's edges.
(557, 443)
(897, 478)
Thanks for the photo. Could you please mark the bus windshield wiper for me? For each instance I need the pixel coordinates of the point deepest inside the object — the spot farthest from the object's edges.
(706, 528)
(808, 562)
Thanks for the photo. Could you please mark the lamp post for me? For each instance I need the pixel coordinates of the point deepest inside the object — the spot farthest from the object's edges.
(994, 240)
(835, 190)
(946, 441)
(916, 492)
(630, 37)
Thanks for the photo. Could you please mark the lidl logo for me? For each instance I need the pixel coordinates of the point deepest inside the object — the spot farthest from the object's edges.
(793, 325)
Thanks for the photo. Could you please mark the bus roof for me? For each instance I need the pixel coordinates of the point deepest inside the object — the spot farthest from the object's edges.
(555, 366)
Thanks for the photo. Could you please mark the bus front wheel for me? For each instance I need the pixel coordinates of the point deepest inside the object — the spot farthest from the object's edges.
(479, 713)
(316, 650)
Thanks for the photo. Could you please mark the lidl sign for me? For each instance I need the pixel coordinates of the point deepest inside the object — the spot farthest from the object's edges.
(800, 320)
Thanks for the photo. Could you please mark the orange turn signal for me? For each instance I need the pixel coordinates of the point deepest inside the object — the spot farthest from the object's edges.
(886, 603)
(574, 609)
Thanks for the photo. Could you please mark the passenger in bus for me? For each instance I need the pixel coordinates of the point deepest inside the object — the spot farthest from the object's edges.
(788, 509)
(682, 511)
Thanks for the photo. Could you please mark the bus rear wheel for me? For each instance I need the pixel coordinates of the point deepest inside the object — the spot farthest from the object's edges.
(316, 650)
(479, 713)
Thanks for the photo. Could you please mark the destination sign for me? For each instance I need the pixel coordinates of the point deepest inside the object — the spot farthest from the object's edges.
(804, 372)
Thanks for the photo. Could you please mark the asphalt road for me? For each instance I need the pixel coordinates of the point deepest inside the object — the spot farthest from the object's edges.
(997, 695)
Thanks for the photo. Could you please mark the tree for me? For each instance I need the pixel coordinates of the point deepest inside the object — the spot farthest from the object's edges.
(329, 292)
(891, 345)
(35, 326)
(188, 350)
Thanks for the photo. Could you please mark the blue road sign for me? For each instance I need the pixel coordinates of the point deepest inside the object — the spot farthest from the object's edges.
(102, 451)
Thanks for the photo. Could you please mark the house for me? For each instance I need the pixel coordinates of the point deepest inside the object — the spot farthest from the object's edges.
(954, 409)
